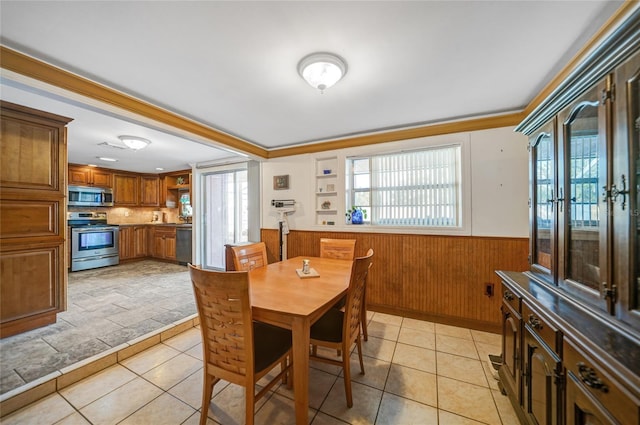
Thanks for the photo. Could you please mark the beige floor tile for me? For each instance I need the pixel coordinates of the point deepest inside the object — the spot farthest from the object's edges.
(448, 418)
(228, 406)
(417, 337)
(118, 404)
(185, 340)
(173, 371)
(461, 368)
(490, 373)
(467, 400)
(324, 419)
(73, 419)
(49, 410)
(150, 358)
(413, 384)
(383, 330)
(398, 410)
(320, 383)
(190, 390)
(453, 331)
(486, 337)
(505, 408)
(366, 401)
(278, 410)
(415, 357)
(458, 346)
(379, 348)
(164, 410)
(485, 349)
(196, 351)
(421, 325)
(92, 388)
(389, 319)
(375, 371)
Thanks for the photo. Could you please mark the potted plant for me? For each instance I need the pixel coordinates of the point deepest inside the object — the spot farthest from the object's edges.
(356, 215)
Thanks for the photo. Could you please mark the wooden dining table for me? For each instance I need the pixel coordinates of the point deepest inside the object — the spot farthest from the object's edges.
(281, 298)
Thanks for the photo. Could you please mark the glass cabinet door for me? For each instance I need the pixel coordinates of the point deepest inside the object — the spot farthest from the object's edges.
(544, 199)
(634, 186)
(584, 168)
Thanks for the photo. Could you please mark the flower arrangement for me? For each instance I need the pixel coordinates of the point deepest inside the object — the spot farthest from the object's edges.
(356, 215)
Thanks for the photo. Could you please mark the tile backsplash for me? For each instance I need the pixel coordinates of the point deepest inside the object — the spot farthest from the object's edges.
(121, 215)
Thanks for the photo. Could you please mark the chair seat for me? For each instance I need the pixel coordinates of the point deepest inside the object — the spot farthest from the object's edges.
(329, 326)
(270, 343)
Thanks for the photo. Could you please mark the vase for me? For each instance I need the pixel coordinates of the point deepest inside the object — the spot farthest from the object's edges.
(356, 217)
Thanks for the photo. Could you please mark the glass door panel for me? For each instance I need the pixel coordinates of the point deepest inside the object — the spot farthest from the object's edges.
(634, 187)
(544, 199)
(585, 217)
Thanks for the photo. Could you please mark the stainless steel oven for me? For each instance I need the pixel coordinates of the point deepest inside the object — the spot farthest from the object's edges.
(94, 243)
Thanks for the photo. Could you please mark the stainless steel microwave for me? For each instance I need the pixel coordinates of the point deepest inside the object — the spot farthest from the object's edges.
(82, 196)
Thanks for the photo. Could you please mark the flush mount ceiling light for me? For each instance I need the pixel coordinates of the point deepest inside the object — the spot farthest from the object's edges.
(135, 143)
(322, 70)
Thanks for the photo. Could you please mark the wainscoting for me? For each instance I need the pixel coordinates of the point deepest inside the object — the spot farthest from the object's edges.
(437, 278)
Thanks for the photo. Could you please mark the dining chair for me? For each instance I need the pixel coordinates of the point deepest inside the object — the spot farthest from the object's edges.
(236, 348)
(340, 249)
(344, 249)
(249, 257)
(340, 329)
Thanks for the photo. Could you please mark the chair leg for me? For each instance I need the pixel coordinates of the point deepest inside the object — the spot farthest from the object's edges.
(359, 347)
(363, 320)
(207, 390)
(250, 401)
(346, 369)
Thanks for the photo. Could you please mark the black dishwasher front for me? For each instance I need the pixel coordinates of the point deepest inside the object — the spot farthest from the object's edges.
(183, 245)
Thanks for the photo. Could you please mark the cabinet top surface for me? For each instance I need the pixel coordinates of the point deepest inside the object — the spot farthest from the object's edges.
(607, 339)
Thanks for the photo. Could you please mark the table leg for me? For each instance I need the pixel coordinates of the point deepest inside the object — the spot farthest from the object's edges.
(300, 333)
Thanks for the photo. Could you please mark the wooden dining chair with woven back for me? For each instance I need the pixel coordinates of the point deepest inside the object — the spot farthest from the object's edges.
(249, 257)
(236, 348)
(344, 249)
(340, 329)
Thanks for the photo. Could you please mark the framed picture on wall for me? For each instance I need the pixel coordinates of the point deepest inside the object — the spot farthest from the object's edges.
(281, 182)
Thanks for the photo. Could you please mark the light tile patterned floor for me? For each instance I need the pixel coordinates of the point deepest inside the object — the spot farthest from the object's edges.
(416, 373)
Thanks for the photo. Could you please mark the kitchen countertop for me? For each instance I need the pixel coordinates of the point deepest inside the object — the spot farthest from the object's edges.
(156, 224)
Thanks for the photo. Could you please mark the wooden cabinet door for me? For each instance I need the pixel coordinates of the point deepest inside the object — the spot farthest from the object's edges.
(125, 190)
(101, 178)
(511, 369)
(140, 241)
(79, 176)
(149, 191)
(125, 243)
(542, 375)
(170, 247)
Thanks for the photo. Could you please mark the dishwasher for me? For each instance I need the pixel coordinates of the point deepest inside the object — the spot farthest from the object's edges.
(183, 245)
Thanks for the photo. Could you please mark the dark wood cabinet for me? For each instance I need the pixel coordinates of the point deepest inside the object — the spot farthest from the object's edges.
(511, 370)
(580, 306)
(32, 218)
(89, 176)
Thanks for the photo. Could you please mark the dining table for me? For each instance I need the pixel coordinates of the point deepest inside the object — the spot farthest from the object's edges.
(281, 297)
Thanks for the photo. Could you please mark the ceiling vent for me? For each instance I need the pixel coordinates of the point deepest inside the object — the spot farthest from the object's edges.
(112, 145)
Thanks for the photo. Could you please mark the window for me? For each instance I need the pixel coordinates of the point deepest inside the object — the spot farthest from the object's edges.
(411, 188)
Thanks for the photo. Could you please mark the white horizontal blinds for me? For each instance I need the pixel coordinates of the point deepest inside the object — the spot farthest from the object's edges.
(418, 188)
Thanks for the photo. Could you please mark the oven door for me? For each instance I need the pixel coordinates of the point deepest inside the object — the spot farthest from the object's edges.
(94, 246)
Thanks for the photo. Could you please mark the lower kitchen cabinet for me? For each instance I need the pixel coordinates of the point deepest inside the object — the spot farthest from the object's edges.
(133, 242)
(140, 241)
(125, 243)
(163, 242)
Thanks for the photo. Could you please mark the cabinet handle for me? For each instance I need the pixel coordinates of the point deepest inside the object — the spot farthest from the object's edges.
(507, 296)
(535, 322)
(590, 378)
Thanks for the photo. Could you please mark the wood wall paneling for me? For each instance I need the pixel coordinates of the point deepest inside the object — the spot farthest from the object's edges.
(438, 278)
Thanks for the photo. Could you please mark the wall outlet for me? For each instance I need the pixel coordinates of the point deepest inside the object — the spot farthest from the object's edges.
(488, 289)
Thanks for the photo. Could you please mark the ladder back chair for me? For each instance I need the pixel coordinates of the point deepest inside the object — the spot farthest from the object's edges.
(249, 257)
(339, 330)
(236, 348)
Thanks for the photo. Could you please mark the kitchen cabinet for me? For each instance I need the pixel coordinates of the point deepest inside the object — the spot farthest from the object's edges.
(125, 190)
(89, 176)
(140, 241)
(177, 187)
(133, 242)
(32, 218)
(149, 191)
(511, 369)
(163, 242)
(125, 243)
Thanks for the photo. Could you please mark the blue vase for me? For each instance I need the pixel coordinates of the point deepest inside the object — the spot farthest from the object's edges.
(356, 217)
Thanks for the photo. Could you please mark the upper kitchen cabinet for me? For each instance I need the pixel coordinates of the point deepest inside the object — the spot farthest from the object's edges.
(149, 191)
(178, 191)
(89, 176)
(125, 190)
(32, 218)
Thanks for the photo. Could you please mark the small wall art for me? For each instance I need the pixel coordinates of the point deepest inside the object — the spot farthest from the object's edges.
(281, 182)
(331, 188)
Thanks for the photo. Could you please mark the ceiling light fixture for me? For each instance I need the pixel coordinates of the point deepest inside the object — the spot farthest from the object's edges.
(322, 70)
(135, 143)
(104, 158)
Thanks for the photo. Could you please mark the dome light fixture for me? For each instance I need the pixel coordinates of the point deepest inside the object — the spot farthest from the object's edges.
(135, 143)
(322, 70)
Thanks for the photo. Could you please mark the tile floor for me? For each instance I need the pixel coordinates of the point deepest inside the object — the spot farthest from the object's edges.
(417, 372)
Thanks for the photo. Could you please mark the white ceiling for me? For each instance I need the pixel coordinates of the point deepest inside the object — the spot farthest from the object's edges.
(231, 65)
